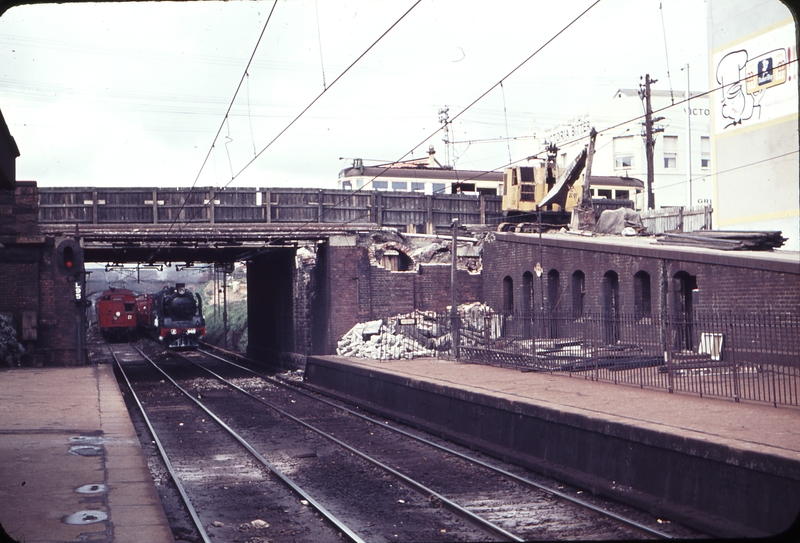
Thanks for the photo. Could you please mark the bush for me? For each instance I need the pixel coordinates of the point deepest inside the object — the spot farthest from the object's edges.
(10, 349)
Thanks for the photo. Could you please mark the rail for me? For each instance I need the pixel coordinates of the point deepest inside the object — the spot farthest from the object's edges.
(745, 357)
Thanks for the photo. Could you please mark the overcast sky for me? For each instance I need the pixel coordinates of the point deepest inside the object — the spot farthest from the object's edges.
(133, 94)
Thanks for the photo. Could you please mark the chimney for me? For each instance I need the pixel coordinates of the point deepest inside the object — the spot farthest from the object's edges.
(431, 159)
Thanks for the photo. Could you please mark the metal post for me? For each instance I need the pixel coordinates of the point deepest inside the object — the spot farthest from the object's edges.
(225, 306)
(688, 143)
(454, 324)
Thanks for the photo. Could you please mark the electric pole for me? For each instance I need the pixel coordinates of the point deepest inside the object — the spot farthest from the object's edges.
(454, 323)
(649, 140)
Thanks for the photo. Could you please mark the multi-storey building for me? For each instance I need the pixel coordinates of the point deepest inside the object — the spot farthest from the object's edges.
(683, 132)
(754, 115)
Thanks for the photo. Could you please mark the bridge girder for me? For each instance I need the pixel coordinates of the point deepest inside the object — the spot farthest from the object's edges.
(197, 244)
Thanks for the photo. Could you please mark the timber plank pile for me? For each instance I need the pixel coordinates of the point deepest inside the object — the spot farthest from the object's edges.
(726, 240)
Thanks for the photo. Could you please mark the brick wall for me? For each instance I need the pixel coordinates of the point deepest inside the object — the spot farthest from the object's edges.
(358, 291)
(737, 282)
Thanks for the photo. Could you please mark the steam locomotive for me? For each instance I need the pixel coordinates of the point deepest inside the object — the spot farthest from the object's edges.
(173, 316)
(116, 314)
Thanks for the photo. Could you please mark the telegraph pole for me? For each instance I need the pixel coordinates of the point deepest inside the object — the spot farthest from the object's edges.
(454, 324)
(649, 140)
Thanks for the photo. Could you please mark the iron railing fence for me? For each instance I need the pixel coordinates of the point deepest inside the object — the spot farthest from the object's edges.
(752, 357)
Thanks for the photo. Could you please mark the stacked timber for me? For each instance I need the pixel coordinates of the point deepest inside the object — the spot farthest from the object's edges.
(726, 240)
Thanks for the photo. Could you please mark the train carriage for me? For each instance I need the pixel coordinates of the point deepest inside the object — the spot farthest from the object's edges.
(116, 314)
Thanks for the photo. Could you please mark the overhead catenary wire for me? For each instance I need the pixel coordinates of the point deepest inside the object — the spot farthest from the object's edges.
(475, 101)
(233, 177)
(465, 109)
(310, 105)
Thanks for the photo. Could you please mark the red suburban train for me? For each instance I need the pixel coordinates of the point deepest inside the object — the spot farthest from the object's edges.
(173, 316)
(116, 314)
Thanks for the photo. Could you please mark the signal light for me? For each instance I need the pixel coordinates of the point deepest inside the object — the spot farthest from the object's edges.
(69, 257)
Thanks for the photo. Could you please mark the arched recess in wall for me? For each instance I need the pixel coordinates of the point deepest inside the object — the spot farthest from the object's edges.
(527, 294)
(682, 308)
(527, 304)
(553, 290)
(394, 259)
(553, 300)
(508, 294)
(641, 295)
(611, 304)
(578, 292)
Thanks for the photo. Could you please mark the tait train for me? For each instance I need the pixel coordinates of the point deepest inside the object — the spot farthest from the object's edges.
(116, 314)
(173, 316)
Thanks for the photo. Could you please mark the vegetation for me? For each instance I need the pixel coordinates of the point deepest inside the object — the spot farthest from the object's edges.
(11, 350)
(237, 325)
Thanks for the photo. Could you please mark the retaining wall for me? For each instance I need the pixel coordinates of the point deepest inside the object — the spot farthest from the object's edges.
(723, 491)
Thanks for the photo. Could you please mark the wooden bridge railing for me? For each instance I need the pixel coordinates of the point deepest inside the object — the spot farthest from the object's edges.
(259, 205)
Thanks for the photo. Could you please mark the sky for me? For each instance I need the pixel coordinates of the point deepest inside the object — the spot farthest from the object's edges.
(145, 94)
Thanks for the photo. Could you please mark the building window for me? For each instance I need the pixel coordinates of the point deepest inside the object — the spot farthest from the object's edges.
(400, 186)
(705, 152)
(670, 152)
(641, 295)
(623, 152)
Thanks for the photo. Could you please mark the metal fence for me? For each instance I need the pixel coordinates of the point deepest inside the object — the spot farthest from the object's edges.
(752, 357)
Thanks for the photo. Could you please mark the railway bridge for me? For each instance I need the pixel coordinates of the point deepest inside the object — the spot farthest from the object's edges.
(204, 225)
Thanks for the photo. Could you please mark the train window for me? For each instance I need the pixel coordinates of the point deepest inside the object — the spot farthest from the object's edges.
(623, 194)
(400, 185)
(526, 174)
(604, 193)
(380, 185)
(417, 186)
(438, 188)
(129, 307)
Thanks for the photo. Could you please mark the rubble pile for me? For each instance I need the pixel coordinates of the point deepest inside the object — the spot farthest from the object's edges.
(416, 334)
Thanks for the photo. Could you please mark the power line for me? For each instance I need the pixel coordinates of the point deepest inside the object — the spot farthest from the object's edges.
(233, 177)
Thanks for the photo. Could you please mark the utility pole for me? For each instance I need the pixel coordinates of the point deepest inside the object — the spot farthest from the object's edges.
(649, 139)
(454, 324)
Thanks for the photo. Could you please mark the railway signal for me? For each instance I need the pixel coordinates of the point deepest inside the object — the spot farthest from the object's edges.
(69, 258)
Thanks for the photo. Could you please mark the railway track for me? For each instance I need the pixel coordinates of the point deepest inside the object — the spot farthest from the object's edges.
(367, 479)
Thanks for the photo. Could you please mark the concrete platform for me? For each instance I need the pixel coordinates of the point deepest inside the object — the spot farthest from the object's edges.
(730, 469)
(70, 454)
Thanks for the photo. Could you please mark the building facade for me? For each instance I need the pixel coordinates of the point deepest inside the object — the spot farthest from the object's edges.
(754, 115)
(620, 146)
